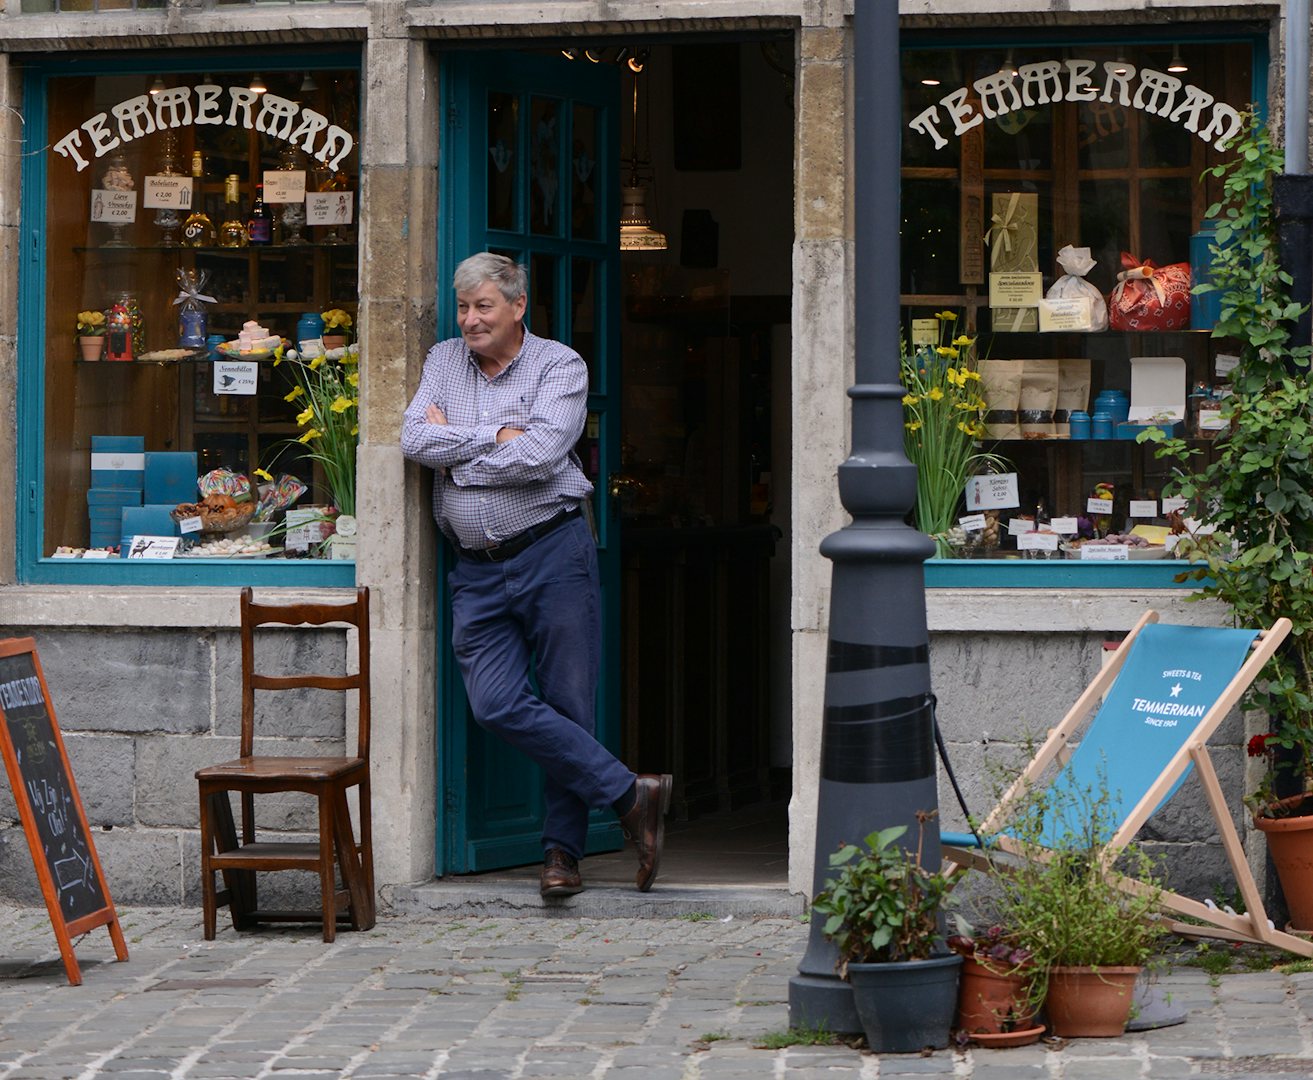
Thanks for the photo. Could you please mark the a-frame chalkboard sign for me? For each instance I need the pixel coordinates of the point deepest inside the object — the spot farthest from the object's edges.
(49, 807)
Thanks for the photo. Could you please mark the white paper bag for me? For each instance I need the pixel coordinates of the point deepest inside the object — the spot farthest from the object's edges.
(1076, 263)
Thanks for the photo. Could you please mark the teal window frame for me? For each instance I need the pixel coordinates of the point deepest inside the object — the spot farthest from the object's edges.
(1020, 573)
(31, 567)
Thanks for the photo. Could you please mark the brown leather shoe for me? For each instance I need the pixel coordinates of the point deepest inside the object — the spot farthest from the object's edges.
(560, 876)
(645, 824)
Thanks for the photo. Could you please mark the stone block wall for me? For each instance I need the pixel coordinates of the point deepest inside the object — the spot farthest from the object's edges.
(141, 710)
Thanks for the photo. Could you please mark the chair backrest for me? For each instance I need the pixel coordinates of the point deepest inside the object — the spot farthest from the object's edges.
(1166, 695)
(354, 614)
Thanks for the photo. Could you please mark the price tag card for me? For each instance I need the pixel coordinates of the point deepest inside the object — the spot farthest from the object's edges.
(1066, 526)
(1098, 506)
(167, 192)
(1072, 313)
(329, 207)
(925, 332)
(236, 376)
(1143, 508)
(1037, 541)
(1015, 288)
(153, 547)
(972, 523)
(992, 491)
(189, 525)
(1017, 526)
(1106, 552)
(115, 207)
(1225, 363)
(1173, 503)
(284, 187)
(98, 553)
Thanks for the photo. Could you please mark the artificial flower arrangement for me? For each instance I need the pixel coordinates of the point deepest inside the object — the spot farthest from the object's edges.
(327, 392)
(337, 321)
(90, 323)
(943, 419)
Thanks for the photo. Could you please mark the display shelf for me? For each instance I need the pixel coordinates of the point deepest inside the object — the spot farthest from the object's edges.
(256, 249)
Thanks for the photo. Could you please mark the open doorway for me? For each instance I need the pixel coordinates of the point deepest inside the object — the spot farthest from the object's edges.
(697, 492)
(703, 484)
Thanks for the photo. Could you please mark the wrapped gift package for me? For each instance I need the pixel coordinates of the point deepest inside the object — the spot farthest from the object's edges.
(1013, 240)
(1149, 297)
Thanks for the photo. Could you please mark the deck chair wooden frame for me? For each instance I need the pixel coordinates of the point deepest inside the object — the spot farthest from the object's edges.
(1253, 926)
(328, 779)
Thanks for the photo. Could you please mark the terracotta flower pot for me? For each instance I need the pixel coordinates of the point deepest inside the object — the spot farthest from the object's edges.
(990, 998)
(1290, 842)
(1006, 1040)
(1086, 1002)
(92, 345)
(334, 341)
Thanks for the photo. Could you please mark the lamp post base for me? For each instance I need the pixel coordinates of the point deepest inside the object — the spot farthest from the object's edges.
(823, 1000)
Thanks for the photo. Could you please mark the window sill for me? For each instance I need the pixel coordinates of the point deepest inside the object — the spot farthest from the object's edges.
(1053, 574)
(327, 573)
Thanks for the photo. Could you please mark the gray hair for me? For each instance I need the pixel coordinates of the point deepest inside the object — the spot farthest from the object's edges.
(508, 275)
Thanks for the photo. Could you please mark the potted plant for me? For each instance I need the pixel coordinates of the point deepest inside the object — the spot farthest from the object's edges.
(326, 393)
(337, 328)
(91, 334)
(995, 1005)
(883, 915)
(1088, 933)
(1258, 492)
(943, 421)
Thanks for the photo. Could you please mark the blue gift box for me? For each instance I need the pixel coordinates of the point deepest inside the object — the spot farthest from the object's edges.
(171, 477)
(1129, 430)
(118, 461)
(153, 519)
(110, 499)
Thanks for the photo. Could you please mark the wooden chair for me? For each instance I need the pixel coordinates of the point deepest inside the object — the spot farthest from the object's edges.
(326, 778)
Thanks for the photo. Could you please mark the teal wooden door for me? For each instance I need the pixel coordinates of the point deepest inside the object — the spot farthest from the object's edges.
(529, 169)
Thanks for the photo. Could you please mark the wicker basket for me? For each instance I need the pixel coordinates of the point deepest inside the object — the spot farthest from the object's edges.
(223, 521)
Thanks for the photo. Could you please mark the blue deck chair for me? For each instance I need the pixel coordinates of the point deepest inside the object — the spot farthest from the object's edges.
(1163, 695)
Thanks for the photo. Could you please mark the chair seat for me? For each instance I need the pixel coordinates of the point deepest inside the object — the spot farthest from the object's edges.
(307, 769)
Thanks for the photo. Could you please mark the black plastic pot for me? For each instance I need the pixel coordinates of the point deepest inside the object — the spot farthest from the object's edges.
(907, 1005)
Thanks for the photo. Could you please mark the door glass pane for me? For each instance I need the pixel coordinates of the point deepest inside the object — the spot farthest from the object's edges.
(545, 167)
(503, 159)
(929, 263)
(1105, 210)
(1101, 135)
(584, 174)
(1165, 220)
(584, 314)
(542, 297)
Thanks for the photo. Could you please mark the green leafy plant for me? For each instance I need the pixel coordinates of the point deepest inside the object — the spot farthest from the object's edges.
(883, 904)
(943, 421)
(1258, 491)
(1067, 903)
(327, 392)
(796, 1036)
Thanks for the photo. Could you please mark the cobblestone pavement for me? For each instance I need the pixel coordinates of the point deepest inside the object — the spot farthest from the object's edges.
(489, 998)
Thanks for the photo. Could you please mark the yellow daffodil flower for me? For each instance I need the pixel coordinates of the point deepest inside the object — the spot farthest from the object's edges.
(948, 351)
(313, 433)
(355, 429)
(913, 425)
(962, 339)
(935, 394)
(297, 391)
(317, 362)
(263, 475)
(340, 404)
(910, 399)
(305, 417)
(353, 378)
(946, 316)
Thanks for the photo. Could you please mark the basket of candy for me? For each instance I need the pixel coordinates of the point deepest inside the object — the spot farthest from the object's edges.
(218, 513)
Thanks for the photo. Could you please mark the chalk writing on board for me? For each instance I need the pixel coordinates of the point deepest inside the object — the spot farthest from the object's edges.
(65, 848)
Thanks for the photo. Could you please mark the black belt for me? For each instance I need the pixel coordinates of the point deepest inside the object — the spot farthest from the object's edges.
(517, 543)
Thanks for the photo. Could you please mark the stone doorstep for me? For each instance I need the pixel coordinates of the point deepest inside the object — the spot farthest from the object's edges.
(472, 897)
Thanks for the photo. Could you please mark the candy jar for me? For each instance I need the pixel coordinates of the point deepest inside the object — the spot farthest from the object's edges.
(117, 178)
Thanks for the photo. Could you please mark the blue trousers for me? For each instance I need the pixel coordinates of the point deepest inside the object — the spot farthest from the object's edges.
(541, 607)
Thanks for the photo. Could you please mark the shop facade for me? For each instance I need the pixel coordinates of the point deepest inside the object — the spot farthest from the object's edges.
(718, 410)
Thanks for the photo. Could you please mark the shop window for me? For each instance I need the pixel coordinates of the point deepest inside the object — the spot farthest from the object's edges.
(1121, 175)
(236, 186)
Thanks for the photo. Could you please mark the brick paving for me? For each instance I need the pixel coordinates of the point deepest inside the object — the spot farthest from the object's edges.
(485, 998)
